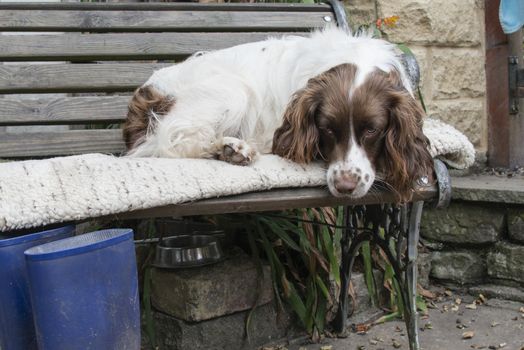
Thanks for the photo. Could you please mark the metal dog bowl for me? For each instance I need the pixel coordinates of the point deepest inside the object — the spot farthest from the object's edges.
(188, 251)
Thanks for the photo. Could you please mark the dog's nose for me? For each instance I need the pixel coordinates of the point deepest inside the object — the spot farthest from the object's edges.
(346, 182)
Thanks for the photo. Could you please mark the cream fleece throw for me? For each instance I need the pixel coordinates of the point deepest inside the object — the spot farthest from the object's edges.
(40, 192)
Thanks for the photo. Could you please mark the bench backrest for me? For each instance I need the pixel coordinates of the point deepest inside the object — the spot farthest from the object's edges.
(74, 65)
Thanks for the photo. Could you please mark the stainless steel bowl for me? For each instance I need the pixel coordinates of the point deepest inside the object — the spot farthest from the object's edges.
(188, 251)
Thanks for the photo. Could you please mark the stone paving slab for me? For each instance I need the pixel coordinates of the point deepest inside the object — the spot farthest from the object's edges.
(498, 324)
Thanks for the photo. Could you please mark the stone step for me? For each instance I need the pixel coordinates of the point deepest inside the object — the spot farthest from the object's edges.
(488, 188)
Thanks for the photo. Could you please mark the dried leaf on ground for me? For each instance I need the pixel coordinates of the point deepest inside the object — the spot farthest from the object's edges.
(494, 324)
(326, 347)
(476, 346)
(396, 344)
(471, 306)
(426, 293)
(458, 301)
(362, 328)
(482, 299)
(468, 335)
(448, 293)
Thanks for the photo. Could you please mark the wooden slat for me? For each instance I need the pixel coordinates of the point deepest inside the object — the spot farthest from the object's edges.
(156, 6)
(14, 145)
(74, 77)
(124, 46)
(102, 21)
(62, 110)
(279, 199)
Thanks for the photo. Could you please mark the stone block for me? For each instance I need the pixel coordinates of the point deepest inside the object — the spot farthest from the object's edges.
(226, 332)
(462, 267)
(360, 11)
(210, 291)
(516, 224)
(463, 223)
(434, 22)
(458, 73)
(467, 115)
(506, 261)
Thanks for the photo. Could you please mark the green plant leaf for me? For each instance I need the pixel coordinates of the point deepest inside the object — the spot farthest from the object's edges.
(368, 273)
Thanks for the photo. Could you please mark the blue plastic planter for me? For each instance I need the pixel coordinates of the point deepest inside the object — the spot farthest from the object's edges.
(16, 319)
(84, 292)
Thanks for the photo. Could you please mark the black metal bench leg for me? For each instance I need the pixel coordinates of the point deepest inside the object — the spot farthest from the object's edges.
(411, 314)
(363, 224)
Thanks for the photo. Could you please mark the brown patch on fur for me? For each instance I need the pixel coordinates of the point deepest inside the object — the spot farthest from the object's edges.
(299, 136)
(405, 157)
(146, 101)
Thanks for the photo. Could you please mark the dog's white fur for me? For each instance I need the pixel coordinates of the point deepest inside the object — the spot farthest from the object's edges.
(242, 91)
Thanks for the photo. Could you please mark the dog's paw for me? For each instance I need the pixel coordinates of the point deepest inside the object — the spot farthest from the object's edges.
(236, 151)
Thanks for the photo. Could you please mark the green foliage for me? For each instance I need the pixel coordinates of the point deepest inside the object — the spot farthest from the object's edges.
(303, 258)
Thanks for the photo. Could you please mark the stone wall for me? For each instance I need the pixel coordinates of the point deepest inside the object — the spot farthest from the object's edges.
(447, 38)
(477, 245)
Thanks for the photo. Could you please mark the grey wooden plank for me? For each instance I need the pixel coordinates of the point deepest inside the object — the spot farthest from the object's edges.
(52, 20)
(288, 7)
(19, 145)
(278, 199)
(62, 110)
(74, 77)
(123, 46)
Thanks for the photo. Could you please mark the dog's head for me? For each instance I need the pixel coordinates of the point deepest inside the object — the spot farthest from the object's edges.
(367, 127)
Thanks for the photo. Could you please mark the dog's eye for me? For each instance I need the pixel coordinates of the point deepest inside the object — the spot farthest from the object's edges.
(371, 131)
(328, 131)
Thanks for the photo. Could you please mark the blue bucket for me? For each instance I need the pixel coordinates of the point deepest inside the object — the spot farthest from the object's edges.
(84, 292)
(16, 319)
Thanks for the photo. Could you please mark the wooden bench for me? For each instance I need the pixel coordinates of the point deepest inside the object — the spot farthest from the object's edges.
(66, 82)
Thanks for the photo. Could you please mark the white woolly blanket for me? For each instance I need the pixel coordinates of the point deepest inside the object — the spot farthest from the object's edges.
(41, 192)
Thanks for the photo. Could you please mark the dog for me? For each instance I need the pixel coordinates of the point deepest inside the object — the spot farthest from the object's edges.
(332, 96)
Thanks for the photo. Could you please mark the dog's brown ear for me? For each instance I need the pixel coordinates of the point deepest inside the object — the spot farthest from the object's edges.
(145, 101)
(406, 156)
(297, 138)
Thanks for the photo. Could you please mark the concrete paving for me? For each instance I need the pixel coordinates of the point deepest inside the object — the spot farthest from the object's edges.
(496, 324)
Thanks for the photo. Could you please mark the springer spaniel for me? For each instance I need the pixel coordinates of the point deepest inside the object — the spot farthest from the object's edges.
(332, 96)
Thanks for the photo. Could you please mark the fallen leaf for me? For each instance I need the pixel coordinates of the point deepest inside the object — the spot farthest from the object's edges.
(448, 293)
(428, 326)
(482, 299)
(502, 345)
(396, 344)
(494, 324)
(455, 308)
(426, 293)
(326, 347)
(362, 328)
(468, 335)
(458, 301)
(475, 346)
(398, 329)
(373, 342)
(361, 347)
(471, 306)
(521, 309)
